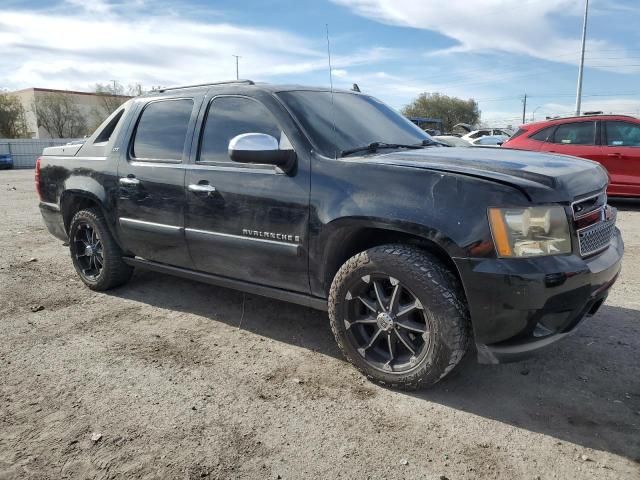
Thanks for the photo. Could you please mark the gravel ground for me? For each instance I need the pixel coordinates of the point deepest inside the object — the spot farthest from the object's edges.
(166, 378)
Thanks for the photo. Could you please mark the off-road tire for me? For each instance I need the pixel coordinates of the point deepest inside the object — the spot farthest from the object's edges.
(441, 295)
(114, 271)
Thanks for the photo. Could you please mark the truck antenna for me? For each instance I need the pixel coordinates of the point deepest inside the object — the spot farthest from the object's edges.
(333, 112)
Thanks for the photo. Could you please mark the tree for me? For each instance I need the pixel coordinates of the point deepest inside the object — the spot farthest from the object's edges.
(450, 110)
(13, 122)
(59, 116)
(112, 95)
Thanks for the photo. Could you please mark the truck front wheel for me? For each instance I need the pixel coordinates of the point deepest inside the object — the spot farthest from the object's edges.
(399, 315)
(96, 256)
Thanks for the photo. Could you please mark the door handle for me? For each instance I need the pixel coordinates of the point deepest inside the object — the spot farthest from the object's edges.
(130, 180)
(201, 188)
(616, 155)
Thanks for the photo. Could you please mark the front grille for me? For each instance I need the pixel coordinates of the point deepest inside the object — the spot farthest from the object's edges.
(585, 206)
(596, 237)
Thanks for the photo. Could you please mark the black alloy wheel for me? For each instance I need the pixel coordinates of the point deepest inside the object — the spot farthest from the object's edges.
(88, 251)
(399, 315)
(96, 256)
(386, 323)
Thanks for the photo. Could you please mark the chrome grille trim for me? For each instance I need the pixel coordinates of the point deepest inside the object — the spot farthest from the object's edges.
(596, 237)
(577, 212)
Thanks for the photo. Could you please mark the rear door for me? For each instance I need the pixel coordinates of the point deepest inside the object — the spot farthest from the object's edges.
(621, 156)
(574, 138)
(151, 197)
(247, 221)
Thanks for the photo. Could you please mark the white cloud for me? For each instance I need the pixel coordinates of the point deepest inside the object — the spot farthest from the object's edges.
(526, 27)
(91, 6)
(83, 48)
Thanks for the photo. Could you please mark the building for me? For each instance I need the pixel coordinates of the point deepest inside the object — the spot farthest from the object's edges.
(91, 106)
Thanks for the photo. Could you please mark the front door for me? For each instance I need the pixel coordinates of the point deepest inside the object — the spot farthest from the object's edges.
(621, 156)
(151, 197)
(247, 221)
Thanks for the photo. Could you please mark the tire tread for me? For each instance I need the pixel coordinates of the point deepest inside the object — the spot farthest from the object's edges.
(115, 272)
(450, 298)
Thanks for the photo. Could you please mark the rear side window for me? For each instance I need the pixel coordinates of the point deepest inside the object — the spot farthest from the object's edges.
(231, 116)
(519, 132)
(162, 130)
(543, 135)
(578, 133)
(623, 134)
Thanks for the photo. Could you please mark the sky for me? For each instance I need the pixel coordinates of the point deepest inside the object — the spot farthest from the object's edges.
(494, 51)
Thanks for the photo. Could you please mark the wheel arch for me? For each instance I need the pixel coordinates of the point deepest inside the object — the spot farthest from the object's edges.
(346, 242)
(74, 200)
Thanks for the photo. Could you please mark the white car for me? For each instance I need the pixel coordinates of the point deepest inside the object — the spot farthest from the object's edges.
(485, 132)
(490, 141)
(452, 140)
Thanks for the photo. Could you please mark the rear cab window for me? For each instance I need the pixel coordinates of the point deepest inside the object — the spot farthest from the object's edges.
(100, 143)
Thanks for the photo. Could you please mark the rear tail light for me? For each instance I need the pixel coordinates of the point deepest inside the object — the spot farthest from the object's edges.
(37, 179)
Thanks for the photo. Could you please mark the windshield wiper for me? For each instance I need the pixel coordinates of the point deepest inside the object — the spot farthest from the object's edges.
(375, 146)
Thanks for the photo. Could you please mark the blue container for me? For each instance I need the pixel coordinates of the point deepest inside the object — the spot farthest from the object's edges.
(6, 161)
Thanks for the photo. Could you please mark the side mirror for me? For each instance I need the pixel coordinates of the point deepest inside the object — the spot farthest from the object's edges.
(260, 148)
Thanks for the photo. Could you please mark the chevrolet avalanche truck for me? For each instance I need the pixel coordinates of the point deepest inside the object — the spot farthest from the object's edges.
(332, 200)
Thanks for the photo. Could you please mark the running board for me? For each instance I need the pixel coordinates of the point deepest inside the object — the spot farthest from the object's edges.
(271, 292)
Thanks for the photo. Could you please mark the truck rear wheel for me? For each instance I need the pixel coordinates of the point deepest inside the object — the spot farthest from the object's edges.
(399, 315)
(96, 256)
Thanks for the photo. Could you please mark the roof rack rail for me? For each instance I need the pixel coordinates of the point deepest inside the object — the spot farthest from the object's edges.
(590, 114)
(226, 82)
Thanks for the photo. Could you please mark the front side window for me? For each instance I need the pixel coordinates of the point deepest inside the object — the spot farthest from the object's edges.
(343, 121)
(623, 134)
(578, 133)
(231, 116)
(162, 130)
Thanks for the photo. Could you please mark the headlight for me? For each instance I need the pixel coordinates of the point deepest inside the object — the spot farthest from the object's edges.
(530, 232)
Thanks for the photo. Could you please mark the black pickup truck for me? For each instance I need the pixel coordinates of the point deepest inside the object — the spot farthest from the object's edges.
(332, 200)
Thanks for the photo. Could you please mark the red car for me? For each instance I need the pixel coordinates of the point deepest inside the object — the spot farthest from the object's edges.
(612, 140)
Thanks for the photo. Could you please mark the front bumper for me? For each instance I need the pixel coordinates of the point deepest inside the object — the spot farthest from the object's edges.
(520, 305)
(52, 217)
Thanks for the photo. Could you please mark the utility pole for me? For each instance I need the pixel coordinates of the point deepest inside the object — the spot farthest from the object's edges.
(524, 108)
(533, 114)
(237, 71)
(580, 70)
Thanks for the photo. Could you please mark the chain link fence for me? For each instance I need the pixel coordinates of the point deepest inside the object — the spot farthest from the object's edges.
(25, 151)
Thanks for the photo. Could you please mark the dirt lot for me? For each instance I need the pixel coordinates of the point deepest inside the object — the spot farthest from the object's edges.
(180, 381)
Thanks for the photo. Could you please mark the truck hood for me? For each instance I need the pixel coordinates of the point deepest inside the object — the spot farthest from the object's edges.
(539, 176)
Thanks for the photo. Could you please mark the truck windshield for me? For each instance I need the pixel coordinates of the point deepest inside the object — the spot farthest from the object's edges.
(359, 120)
